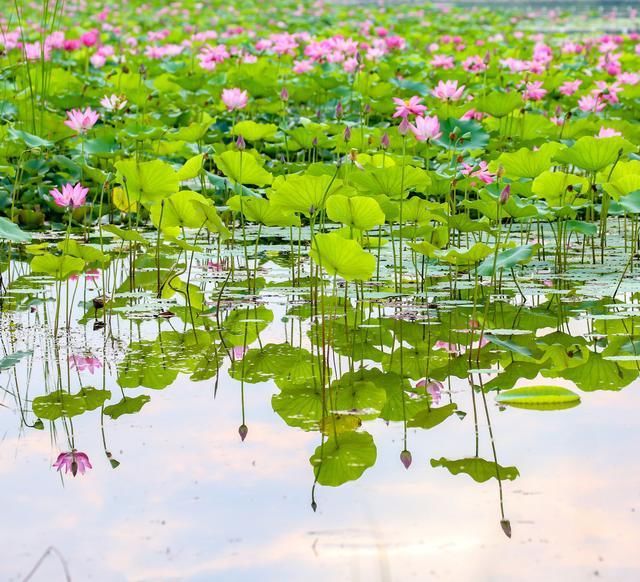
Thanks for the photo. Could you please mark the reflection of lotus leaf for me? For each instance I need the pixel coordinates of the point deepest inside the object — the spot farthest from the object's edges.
(343, 458)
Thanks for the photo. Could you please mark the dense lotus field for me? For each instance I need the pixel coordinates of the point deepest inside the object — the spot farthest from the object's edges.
(363, 226)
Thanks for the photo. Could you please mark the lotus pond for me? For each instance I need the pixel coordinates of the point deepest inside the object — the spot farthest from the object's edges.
(298, 291)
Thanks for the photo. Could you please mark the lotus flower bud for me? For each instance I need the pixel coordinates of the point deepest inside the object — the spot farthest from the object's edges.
(505, 524)
(405, 457)
(242, 431)
(384, 141)
(403, 128)
(339, 110)
(284, 94)
(505, 194)
(347, 133)
(240, 143)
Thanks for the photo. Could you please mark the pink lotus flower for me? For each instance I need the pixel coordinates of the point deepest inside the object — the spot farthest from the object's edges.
(481, 173)
(448, 91)
(534, 91)
(426, 128)
(81, 121)
(234, 99)
(74, 461)
(568, 88)
(304, 66)
(71, 196)
(113, 102)
(82, 363)
(474, 64)
(90, 38)
(413, 106)
(442, 62)
(591, 103)
(608, 132)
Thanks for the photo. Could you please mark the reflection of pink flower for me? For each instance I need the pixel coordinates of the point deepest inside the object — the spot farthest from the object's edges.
(433, 388)
(238, 352)
(92, 275)
(74, 461)
(447, 347)
(83, 363)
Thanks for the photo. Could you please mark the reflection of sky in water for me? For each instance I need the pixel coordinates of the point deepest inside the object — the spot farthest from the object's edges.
(191, 502)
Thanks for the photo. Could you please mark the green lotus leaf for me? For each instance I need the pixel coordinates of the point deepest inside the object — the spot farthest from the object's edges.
(358, 212)
(60, 267)
(263, 211)
(147, 182)
(12, 232)
(507, 259)
(498, 104)
(342, 257)
(306, 194)
(191, 168)
(594, 154)
(242, 167)
(252, 131)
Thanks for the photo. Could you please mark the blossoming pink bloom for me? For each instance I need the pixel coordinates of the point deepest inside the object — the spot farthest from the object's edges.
(426, 128)
(607, 92)
(81, 121)
(411, 107)
(303, 66)
(90, 38)
(34, 52)
(482, 173)
(73, 196)
(591, 103)
(350, 65)
(234, 98)
(448, 91)
(71, 44)
(73, 461)
(534, 91)
(473, 114)
(568, 88)
(442, 62)
(474, 64)
(516, 65)
(82, 363)
(628, 78)
(113, 102)
(608, 132)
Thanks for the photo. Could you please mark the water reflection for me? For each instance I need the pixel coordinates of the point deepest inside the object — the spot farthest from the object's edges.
(256, 404)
